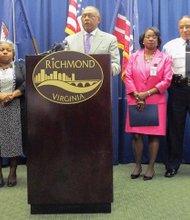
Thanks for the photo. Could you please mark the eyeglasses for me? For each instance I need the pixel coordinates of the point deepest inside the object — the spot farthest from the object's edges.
(182, 27)
(154, 37)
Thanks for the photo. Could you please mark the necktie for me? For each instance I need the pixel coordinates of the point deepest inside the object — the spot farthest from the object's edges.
(187, 59)
(87, 43)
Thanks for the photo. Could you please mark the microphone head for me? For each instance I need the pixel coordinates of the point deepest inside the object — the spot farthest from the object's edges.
(58, 46)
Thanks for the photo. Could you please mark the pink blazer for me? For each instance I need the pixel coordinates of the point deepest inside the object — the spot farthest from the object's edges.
(138, 76)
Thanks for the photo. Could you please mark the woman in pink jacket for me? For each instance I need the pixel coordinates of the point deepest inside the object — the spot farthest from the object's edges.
(148, 75)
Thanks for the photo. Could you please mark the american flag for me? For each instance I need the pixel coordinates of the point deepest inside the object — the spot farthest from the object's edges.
(4, 31)
(74, 17)
(126, 27)
(122, 32)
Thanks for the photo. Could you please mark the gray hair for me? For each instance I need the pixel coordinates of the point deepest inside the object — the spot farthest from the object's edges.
(184, 16)
(8, 42)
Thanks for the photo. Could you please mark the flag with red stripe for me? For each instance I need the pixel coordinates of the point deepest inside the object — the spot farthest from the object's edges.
(74, 17)
(4, 31)
(126, 26)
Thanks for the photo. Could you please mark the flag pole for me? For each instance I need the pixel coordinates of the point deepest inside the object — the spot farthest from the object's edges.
(35, 45)
(118, 3)
(14, 25)
(29, 28)
(136, 27)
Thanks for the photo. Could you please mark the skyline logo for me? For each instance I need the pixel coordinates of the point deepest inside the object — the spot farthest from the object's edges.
(67, 77)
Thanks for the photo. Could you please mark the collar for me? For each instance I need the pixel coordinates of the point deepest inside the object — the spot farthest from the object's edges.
(93, 33)
(182, 41)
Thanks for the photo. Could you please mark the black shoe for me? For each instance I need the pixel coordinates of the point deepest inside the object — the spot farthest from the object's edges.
(135, 176)
(148, 177)
(170, 172)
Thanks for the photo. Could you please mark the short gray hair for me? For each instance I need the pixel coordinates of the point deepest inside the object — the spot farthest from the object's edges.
(8, 42)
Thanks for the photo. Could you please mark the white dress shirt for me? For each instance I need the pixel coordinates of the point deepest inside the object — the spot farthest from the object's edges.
(176, 50)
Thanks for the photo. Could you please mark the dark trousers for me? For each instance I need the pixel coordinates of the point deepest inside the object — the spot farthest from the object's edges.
(178, 107)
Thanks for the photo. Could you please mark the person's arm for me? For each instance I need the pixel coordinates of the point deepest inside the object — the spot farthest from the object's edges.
(163, 84)
(4, 97)
(115, 57)
(129, 78)
(20, 84)
(167, 76)
(148, 93)
(15, 94)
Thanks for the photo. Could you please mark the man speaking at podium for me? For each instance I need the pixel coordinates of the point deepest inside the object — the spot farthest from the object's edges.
(92, 40)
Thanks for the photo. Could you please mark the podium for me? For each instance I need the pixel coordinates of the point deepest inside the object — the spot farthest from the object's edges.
(69, 161)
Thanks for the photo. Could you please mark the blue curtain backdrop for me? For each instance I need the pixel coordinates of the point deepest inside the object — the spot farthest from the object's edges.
(48, 19)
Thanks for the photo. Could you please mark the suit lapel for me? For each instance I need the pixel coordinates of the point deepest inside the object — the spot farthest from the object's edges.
(96, 41)
(80, 39)
(141, 66)
(157, 58)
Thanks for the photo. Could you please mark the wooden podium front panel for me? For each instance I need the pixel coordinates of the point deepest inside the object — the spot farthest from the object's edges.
(69, 146)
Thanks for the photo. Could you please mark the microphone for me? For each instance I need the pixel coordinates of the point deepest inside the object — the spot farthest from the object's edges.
(56, 47)
(59, 46)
